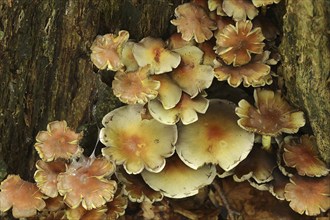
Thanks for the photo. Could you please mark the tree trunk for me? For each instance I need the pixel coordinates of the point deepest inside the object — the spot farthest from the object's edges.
(306, 64)
(46, 73)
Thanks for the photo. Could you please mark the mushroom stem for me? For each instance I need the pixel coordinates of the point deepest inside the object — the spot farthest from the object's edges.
(264, 10)
(266, 142)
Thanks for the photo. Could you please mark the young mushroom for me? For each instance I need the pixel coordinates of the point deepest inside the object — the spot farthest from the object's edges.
(137, 142)
(24, 197)
(271, 116)
(215, 138)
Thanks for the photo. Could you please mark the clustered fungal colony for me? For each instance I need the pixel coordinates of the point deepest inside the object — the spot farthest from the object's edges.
(169, 138)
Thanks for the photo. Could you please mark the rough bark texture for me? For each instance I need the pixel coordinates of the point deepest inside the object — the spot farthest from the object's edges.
(45, 70)
(306, 64)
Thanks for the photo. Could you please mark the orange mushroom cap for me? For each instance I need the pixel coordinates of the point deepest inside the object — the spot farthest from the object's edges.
(236, 43)
(135, 142)
(193, 22)
(106, 50)
(24, 197)
(215, 138)
(272, 115)
(58, 141)
(239, 9)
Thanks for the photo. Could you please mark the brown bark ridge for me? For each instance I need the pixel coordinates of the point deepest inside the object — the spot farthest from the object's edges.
(306, 64)
(45, 70)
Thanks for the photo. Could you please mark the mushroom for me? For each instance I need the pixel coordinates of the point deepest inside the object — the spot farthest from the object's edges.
(136, 189)
(278, 183)
(24, 197)
(192, 21)
(239, 9)
(236, 43)
(151, 51)
(308, 195)
(58, 141)
(191, 75)
(175, 41)
(271, 116)
(135, 87)
(252, 73)
(135, 142)
(82, 214)
(216, 5)
(127, 58)
(46, 176)
(85, 183)
(186, 110)
(259, 3)
(301, 153)
(215, 138)
(116, 207)
(177, 180)
(106, 50)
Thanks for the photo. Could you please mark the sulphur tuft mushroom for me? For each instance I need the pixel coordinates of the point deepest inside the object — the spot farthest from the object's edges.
(177, 180)
(259, 3)
(215, 138)
(58, 141)
(107, 49)
(239, 9)
(301, 153)
(135, 87)
(235, 44)
(151, 51)
(308, 195)
(271, 116)
(216, 5)
(135, 142)
(24, 197)
(85, 183)
(193, 22)
(186, 110)
(46, 176)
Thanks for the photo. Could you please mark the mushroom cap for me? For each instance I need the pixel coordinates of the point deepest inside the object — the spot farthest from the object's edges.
(135, 87)
(169, 93)
(116, 207)
(186, 110)
(23, 196)
(177, 180)
(135, 142)
(58, 141)
(106, 50)
(259, 3)
(175, 41)
(191, 75)
(214, 138)
(302, 154)
(193, 22)
(216, 5)
(46, 176)
(236, 43)
(127, 58)
(278, 183)
(84, 182)
(272, 115)
(151, 51)
(239, 9)
(82, 214)
(136, 189)
(252, 73)
(308, 195)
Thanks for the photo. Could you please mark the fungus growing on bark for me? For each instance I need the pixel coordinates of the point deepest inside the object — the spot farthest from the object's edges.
(271, 116)
(135, 87)
(191, 75)
(24, 197)
(46, 176)
(106, 50)
(58, 141)
(135, 142)
(136, 189)
(177, 180)
(251, 74)
(151, 51)
(85, 182)
(236, 43)
(302, 154)
(308, 195)
(259, 3)
(215, 138)
(239, 9)
(186, 110)
(193, 22)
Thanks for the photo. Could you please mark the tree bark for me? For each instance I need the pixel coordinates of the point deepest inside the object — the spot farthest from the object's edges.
(306, 64)
(45, 69)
